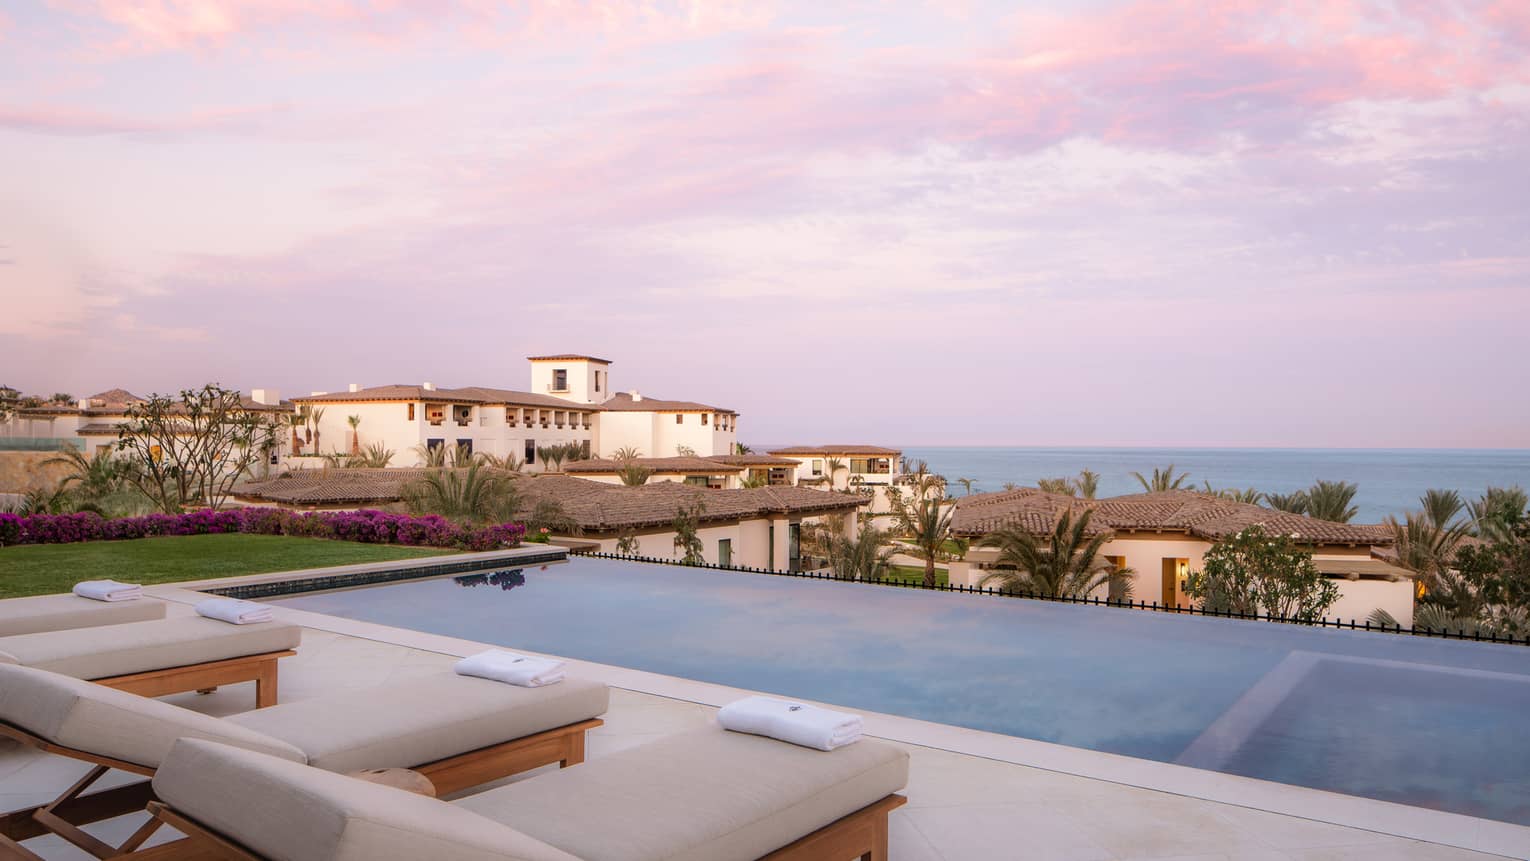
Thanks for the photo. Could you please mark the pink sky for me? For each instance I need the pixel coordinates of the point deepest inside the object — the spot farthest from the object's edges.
(1201, 222)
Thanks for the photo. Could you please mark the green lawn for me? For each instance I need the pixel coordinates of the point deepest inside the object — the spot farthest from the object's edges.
(950, 546)
(44, 568)
(914, 574)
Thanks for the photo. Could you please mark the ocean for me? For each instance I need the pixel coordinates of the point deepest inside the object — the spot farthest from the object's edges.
(1390, 480)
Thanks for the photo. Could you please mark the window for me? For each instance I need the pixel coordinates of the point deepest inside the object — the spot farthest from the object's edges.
(435, 413)
(465, 446)
(679, 418)
(794, 547)
(434, 444)
(560, 380)
(584, 448)
(411, 412)
(817, 466)
(558, 418)
(697, 480)
(703, 419)
(531, 451)
(770, 562)
(597, 381)
(725, 552)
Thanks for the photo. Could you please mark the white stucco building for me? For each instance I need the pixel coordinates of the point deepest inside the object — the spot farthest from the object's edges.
(91, 424)
(570, 402)
(1164, 536)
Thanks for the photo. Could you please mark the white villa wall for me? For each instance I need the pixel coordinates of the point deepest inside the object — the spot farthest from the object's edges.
(1145, 555)
(690, 433)
(1359, 598)
(389, 423)
(620, 430)
(661, 543)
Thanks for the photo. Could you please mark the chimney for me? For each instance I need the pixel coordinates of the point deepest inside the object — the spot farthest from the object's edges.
(636, 396)
(84, 403)
(269, 397)
(355, 387)
(429, 387)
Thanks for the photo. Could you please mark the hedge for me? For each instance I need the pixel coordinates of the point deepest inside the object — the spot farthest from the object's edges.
(366, 526)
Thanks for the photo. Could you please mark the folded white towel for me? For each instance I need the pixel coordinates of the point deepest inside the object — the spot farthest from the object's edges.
(234, 611)
(512, 669)
(797, 723)
(108, 590)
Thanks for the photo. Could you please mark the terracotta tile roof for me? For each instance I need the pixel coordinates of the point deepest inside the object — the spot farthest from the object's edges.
(622, 402)
(826, 450)
(657, 464)
(98, 429)
(1198, 514)
(600, 507)
(596, 507)
(753, 460)
(331, 486)
(567, 357)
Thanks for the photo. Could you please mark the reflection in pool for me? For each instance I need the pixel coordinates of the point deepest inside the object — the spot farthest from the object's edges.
(1143, 684)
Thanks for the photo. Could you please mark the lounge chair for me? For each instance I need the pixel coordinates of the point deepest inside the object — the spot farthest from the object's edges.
(163, 656)
(62, 612)
(457, 731)
(710, 795)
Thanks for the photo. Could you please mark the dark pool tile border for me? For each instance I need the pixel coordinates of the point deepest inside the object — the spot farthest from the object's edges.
(388, 575)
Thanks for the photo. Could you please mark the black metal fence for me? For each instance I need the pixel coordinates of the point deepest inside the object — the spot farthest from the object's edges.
(1351, 625)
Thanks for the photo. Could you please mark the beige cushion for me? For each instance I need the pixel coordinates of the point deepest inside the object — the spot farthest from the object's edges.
(416, 721)
(711, 795)
(290, 812)
(136, 647)
(62, 612)
(112, 723)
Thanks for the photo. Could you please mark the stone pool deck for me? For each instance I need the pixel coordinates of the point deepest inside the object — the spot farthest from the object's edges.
(961, 806)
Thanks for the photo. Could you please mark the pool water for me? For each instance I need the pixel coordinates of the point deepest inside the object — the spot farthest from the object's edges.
(1435, 723)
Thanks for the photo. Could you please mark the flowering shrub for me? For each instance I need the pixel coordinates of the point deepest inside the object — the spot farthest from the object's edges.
(366, 526)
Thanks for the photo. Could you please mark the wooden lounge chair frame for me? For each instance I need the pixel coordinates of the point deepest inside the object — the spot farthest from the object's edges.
(260, 669)
(861, 835)
(65, 814)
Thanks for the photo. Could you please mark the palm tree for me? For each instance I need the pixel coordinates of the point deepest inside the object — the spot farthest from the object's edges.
(1441, 507)
(1248, 495)
(864, 558)
(1068, 565)
(375, 456)
(95, 476)
(1427, 549)
(966, 484)
(1010, 485)
(634, 474)
(1292, 503)
(1088, 483)
(754, 478)
(1497, 510)
(1330, 500)
(831, 466)
(433, 456)
(355, 423)
(473, 495)
(297, 420)
(508, 463)
(1163, 479)
(627, 452)
(306, 412)
(740, 448)
(1055, 485)
(929, 525)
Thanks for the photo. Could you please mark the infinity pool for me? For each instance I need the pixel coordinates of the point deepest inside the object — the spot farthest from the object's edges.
(1433, 723)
